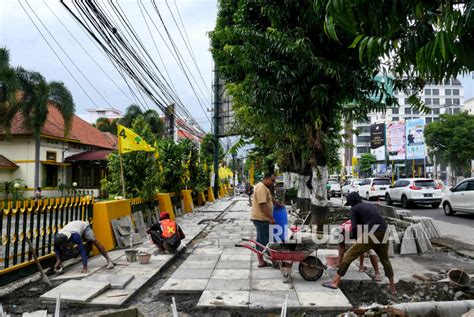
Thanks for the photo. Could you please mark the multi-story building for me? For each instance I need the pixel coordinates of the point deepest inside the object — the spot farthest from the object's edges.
(446, 97)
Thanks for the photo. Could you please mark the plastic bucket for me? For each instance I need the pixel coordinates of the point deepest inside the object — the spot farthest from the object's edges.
(144, 258)
(131, 255)
(281, 224)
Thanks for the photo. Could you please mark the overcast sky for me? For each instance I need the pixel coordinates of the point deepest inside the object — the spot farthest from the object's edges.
(28, 49)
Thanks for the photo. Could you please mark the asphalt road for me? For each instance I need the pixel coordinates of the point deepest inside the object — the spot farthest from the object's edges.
(438, 214)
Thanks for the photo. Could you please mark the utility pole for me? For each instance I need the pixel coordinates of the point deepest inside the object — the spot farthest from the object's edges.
(216, 130)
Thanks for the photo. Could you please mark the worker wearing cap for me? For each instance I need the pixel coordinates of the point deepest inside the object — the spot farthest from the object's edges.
(372, 236)
(166, 234)
(74, 233)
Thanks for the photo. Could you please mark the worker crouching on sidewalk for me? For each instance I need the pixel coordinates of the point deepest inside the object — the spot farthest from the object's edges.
(166, 234)
(365, 216)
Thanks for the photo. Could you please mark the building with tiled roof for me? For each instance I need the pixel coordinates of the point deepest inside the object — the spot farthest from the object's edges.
(56, 149)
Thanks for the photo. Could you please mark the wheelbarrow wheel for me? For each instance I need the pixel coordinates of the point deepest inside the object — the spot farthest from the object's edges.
(311, 268)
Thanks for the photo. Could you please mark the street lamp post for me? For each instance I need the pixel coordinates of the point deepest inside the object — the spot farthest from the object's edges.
(74, 185)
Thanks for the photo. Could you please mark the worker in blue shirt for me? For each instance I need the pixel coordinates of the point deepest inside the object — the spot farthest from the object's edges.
(73, 233)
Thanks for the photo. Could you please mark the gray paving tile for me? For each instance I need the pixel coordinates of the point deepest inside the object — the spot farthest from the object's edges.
(183, 273)
(266, 273)
(79, 291)
(116, 297)
(230, 299)
(327, 300)
(231, 273)
(186, 286)
(236, 257)
(233, 265)
(270, 285)
(116, 280)
(203, 257)
(272, 299)
(217, 284)
(198, 264)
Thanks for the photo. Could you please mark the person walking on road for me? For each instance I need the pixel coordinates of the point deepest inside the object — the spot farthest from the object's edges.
(367, 216)
(73, 233)
(262, 212)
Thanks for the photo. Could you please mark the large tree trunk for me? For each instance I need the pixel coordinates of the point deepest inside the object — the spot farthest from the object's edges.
(319, 201)
(303, 201)
(37, 159)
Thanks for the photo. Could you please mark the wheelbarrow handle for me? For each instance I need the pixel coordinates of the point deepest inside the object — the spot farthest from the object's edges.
(248, 246)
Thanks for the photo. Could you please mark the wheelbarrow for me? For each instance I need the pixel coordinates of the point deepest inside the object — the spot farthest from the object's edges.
(310, 267)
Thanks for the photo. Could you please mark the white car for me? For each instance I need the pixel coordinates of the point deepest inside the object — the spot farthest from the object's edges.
(371, 188)
(334, 188)
(460, 198)
(408, 191)
(350, 186)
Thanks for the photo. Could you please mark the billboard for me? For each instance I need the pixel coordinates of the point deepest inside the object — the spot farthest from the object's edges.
(396, 141)
(377, 141)
(415, 139)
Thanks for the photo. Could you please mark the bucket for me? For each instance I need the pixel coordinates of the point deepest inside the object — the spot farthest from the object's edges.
(332, 260)
(131, 255)
(281, 222)
(144, 258)
(459, 279)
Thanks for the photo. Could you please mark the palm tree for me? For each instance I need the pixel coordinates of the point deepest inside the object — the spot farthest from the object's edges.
(106, 125)
(151, 117)
(29, 93)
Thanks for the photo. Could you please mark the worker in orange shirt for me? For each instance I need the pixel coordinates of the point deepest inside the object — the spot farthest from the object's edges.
(166, 234)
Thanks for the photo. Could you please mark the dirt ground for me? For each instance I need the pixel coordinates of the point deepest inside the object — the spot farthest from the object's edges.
(151, 303)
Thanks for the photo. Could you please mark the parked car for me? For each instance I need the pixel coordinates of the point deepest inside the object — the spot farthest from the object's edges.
(408, 191)
(372, 188)
(460, 198)
(350, 186)
(334, 188)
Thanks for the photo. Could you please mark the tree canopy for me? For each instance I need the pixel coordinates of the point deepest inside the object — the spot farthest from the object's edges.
(450, 139)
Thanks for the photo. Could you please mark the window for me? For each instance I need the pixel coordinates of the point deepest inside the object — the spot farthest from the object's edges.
(435, 119)
(436, 110)
(446, 82)
(406, 101)
(461, 187)
(398, 184)
(405, 183)
(470, 185)
(51, 156)
(428, 92)
(428, 101)
(456, 110)
(447, 92)
(436, 101)
(395, 118)
(394, 110)
(381, 181)
(415, 111)
(407, 110)
(362, 149)
(429, 120)
(51, 175)
(363, 138)
(448, 101)
(425, 183)
(435, 92)
(456, 101)
(455, 92)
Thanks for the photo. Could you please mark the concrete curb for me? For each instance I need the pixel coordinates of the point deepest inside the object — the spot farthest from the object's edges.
(439, 309)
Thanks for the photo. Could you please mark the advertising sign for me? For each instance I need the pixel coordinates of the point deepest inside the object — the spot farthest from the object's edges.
(396, 140)
(415, 139)
(377, 141)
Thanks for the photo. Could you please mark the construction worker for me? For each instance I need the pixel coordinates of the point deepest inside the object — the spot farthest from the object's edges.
(166, 234)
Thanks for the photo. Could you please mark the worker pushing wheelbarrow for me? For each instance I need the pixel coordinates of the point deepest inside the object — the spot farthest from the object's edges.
(285, 254)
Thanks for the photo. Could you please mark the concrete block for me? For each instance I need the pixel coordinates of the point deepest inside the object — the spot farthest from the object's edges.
(183, 273)
(38, 313)
(218, 284)
(203, 257)
(272, 299)
(236, 257)
(233, 265)
(186, 286)
(270, 285)
(265, 273)
(231, 274)
(229, 299)
(116, 297)
(76, 291)
(326, 300)
(408, 242)
(198, 265)
(117, 281)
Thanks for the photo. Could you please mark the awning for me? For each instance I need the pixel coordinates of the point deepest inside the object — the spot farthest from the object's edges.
(55, 163)
(6, 163)
(89, 156)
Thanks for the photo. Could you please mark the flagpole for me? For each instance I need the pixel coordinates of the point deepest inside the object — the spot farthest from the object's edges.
(122, 175)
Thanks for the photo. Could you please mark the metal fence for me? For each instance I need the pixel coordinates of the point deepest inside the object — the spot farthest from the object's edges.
(148, 208)
(39, 221)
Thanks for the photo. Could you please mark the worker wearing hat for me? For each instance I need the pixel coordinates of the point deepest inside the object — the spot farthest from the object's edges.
(369, 228)
(166, 234)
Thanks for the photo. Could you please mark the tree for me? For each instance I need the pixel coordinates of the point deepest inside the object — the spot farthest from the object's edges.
(107, 125)
(29, 94)
(141, 174)
(151, 117)
(432, 40)
(292, 85)
(448, 139)
(365, 163)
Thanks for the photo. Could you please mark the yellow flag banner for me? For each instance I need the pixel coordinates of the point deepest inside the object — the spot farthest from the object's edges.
(129, 141)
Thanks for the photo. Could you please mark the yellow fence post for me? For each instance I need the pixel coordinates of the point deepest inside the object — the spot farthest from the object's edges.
(188, 205)
(201, 199)
(210, 195)
(103, 212)
(164, 199)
